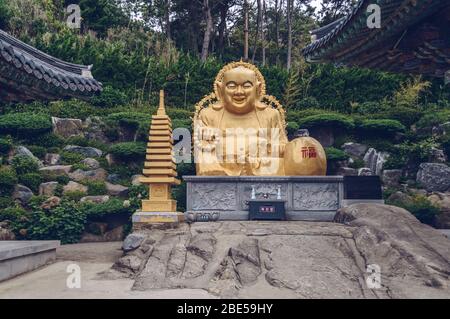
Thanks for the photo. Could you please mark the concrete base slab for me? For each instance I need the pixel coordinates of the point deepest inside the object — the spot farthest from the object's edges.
(18, 257)
(165, 219)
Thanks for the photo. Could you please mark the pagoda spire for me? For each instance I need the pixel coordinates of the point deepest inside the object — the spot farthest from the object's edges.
(159, 173)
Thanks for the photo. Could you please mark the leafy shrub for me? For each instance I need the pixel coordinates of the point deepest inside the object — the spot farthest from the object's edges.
(383, 127)
(433, 118)
(181, 123)
(37, 151)
(113, 206)
(31, 180)
(74, 195)
(5, 202)
(72, 109)
(65, 222)
(445, 144)
(129, 151)
(335, 155)
(421, 208)
(405, 115)
(297, 115)
(395, 161)
(109, 97)
(292, 128)
(47, 140)
(369, 108)
(70, 158)
(24, 164)
(25, 124)
(96, 188)
(307, 102)
(81, 166)
(357, 163)
(8, 179)
(328, 120)
(5, 145)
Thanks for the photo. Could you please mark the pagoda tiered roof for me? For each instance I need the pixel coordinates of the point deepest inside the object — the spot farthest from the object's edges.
(414, 38)
(28, 74)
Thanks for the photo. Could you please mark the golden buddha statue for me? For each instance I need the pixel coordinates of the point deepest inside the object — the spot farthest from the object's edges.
(239, 130)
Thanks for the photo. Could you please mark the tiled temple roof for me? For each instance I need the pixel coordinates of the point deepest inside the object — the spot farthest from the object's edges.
(414, 38)
(29, 74)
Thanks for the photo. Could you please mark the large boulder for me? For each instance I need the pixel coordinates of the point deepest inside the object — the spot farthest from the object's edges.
(437, 156)
(133, 241)
(6, 234)
(442, 201)
(324, 135)
(434, 177)
(57, 170)
(347, 171)
(91, 163)
(48, 189)
(411, 256)
(22, 194)
(354, 149)
(375, 160)
(400, 198)
(51, 202)
(135, 179)
(74, 187)
(93, 129)
(99, 199)
(116, 190)
(391, 177)
(80, 175)
(67, 127)
(52, 159)
(365, 171)
(23, 151)
(85, 151)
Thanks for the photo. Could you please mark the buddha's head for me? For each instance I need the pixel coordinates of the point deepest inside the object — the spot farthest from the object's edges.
(239, 90)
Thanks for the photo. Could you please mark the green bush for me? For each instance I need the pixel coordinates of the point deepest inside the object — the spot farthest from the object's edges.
(292, 128)
(383, 127)
(421, 208)
(370, 108)
(5, 145)
(37, 151)
(74, 195)
(405, 115)
(109, 98)
(24, 164)
(5, 202)
(31, 180)
(445, 145)
(335, 155)
(357, 163)
(48, 140)
(433, 118)
(65, 223)
(25, 124)
(297, 115)
(129, 151)
(70, 158)
(308, 102)
(96, 188)
(112, 207)
(8, 179)
(395, 161)
(72, 109)
(332, 120)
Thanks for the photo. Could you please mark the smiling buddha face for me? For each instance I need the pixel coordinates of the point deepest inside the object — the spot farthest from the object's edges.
(239, 90)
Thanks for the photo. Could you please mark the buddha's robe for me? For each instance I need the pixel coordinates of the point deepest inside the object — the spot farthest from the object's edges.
(244, 144)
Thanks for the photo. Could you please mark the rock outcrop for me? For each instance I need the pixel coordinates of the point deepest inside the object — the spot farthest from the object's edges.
(256, 259)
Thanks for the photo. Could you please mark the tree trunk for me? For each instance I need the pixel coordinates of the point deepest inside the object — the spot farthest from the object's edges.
(208, 30)
(167, 18)
(289, 30)
(222, 26)
(263, 34)
(277, 29)
(258, 30)
(245, 30)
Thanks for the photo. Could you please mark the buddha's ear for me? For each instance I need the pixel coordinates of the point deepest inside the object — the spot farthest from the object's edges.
(259, 87)
(219, 90)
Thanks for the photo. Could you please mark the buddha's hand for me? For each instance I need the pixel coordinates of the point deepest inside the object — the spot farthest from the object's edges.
(206, 138)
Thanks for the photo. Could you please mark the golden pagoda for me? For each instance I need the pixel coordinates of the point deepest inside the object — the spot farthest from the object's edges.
(159, 173)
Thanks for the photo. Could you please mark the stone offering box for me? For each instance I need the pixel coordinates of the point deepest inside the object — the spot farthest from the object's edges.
(314, 198)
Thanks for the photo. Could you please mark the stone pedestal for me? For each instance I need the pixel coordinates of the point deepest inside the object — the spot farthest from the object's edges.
(314, 198)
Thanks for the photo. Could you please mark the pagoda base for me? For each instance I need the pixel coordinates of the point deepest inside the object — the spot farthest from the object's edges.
(142, 219)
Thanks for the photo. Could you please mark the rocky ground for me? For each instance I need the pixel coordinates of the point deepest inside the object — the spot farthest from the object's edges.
(293, 259)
